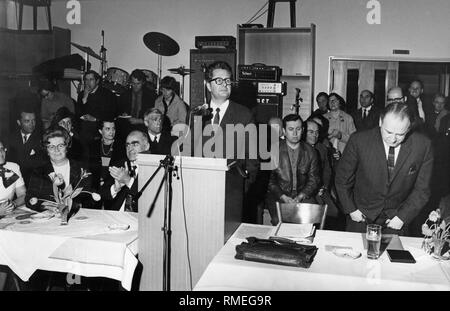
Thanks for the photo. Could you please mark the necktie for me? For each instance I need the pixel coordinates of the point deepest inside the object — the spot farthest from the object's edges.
(25, 138)
(217, 116)
(364, 113)
(391, 162)
(155, 139)
(2, 174)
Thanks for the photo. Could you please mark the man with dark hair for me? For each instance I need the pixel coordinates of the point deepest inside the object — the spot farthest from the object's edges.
(170, 104)
(25, 143)
(368, 116)
(51, 101)
(93, 104)
(296, 177)
(385, 181)
(322, 103)
(133, 103)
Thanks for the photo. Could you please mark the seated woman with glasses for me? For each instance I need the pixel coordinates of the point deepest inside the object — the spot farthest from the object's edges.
(12, 186)
(59, 170)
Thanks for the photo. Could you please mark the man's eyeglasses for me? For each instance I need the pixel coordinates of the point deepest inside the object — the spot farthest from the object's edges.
(134, 144)
(52, 148)
(220, 81)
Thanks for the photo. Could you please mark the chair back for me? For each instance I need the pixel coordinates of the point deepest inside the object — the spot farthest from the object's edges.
(302, 213)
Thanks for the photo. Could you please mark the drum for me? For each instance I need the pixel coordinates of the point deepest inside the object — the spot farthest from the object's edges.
(116, 80)
(152, 78)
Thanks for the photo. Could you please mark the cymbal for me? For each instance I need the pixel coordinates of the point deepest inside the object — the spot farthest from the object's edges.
(161, 44)
(182, 71)
(87, 50)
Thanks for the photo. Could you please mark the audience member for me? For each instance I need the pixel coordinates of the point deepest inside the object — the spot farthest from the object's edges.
(93, 104)
(25, 144)
(368, 116)
(296, 177)
(12, 186)
(105, 150)
(160, 141)
(121, 186)
(170, 104)
(76, 150)
(56, 141)
(341, 124)
(433, 120)
(322, 102)
(52, 100)
(383, 176)
(133, 104)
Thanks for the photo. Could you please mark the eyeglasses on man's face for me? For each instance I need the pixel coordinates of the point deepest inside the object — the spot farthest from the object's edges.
(134, 144)
(53, 148)
(220, 81)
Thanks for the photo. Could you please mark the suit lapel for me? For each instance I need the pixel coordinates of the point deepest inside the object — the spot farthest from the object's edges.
(229, 115)
(380, 154)
(405, 151)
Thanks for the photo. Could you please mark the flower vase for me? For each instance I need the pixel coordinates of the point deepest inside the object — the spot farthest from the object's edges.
(438, 245)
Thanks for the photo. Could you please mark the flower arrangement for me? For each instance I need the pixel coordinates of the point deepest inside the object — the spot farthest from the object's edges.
(63, 198)
(436, 233)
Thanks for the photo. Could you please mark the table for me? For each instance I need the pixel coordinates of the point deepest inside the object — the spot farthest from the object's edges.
(327, 272)
(87, 246)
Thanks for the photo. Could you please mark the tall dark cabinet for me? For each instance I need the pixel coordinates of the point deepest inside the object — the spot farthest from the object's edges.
(20, 51)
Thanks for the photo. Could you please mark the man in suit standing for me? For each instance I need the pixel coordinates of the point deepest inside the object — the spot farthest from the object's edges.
(418, 107)
(119, 190)
(94, 103)
(366, 117)
(387, 180)
(160, 141)
(133, 104)
(25, 144)
(227, 126)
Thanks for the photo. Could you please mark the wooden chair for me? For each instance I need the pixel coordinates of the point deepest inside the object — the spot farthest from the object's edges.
(302, 213)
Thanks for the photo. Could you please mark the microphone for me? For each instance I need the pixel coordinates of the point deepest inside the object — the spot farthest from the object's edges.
(200, 109)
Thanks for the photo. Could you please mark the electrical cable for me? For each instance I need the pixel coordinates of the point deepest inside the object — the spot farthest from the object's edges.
(250, 19)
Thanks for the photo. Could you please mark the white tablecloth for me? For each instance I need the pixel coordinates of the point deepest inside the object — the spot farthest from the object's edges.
(327, 272)
(86, 246)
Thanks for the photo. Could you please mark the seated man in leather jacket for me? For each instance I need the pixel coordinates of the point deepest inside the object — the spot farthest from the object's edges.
(296, 177)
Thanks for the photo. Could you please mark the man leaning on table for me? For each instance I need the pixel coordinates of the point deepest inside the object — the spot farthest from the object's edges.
(119, 190)
(384, 174)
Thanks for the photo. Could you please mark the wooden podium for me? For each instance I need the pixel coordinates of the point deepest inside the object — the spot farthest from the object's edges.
(200, 220)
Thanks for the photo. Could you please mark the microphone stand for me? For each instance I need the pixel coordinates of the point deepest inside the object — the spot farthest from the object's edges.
(169, 168)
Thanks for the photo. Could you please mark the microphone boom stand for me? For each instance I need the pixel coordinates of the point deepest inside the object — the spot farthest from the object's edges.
(169, 168)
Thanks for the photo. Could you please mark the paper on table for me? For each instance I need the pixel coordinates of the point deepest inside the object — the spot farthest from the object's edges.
(288, 230)
(256, 231)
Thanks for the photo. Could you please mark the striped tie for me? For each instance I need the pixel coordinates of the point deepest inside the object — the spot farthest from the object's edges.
(391, 162)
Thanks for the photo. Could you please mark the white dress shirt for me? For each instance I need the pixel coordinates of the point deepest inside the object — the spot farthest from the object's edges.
(223, 108)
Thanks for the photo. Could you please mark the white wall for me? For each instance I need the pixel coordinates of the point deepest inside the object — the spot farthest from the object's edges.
(419, 26)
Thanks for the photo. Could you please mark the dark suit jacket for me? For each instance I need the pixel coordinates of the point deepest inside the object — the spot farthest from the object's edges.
(102, 105)
(148, 101)
(234, 115)
(362, 176)
(111, 203)
(41, 186)
(21, 153)
(371, 121)
(163, 146)
(308, 175)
